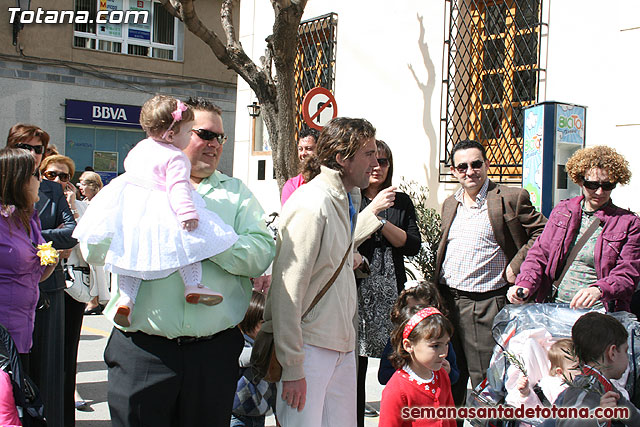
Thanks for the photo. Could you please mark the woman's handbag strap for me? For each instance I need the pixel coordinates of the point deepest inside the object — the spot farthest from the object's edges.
(574, 252)
(329, 283)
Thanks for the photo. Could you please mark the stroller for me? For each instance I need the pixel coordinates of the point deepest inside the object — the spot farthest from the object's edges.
(25, 392)
(527, 331)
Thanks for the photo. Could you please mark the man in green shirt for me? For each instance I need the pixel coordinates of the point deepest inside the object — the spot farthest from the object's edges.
(177, 364)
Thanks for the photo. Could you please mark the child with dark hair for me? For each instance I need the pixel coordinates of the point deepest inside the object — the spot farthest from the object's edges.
(420, 345)
(418, 293)
(600, 343)
(252, 321)
(253, 399)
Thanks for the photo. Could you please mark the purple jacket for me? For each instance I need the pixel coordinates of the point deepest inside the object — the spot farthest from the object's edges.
(617, 252)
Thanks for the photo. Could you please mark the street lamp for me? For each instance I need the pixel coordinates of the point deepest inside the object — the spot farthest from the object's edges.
(17, 25)
(254, 109)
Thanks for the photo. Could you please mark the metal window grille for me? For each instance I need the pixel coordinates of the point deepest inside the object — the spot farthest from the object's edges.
(315, 63)
(162, 25)
(90, 6)
(491, 71)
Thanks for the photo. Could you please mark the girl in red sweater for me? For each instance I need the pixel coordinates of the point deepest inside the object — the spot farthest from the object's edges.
(420, 385)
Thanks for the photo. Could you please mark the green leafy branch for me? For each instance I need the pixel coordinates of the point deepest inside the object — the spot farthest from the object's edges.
(592, 384)
(429, 224)
(517, 361)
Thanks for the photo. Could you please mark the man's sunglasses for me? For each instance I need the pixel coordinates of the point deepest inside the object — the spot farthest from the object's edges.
(476, 164)
(383, 162)
(594, 185)
(207, 135)
(37, 174)
(52, 175)
(38, 149)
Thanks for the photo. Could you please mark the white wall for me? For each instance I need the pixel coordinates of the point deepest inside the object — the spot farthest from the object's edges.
(256, 21)
(593, 61)
(590, 61)
(373, 81)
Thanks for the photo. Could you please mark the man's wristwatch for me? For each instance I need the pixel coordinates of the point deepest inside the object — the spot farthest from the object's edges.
(383, 222)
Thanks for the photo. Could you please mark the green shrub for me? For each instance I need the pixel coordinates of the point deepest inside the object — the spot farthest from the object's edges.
(429, 223)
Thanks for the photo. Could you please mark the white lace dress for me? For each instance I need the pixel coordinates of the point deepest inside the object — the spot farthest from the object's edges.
(139, 214)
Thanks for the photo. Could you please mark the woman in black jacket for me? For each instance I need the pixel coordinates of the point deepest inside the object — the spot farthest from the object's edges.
(385, 250)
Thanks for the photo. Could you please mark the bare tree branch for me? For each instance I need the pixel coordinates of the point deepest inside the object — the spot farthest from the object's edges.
(173, 7)
(226, 16)
(232, 55)
(267, 63)
(195, 25)
(283, 4)
(275, 91)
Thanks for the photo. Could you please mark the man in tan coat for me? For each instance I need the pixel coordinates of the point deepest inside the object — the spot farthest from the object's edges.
(487, 230)
(316, 231)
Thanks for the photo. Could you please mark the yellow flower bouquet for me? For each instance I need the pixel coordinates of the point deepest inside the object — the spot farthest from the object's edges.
(47, 253)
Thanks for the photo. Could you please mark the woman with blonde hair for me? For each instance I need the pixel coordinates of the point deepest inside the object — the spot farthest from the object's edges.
(89, 184)
(605, 265)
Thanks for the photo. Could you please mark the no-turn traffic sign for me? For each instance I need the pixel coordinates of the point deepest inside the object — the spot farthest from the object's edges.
(319, 107)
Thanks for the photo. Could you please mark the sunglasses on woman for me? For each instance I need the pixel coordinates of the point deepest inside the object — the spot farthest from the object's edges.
(52, 175)
(476, 164)
(207, 135)
(38, 149)
(383, 162)
(594, 185)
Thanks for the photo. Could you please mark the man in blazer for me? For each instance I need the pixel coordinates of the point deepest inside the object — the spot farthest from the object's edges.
(487, 230)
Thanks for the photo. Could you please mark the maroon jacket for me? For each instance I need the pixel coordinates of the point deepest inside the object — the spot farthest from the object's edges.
(617, 252)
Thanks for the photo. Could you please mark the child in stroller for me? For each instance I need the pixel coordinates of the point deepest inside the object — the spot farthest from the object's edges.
(523, 335)
(563, 367)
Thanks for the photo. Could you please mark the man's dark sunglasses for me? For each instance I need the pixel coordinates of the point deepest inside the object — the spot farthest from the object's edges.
(36, 174)
(383, 162)
(38, 149)
(52, 175)
(594, 185)
(476, 164)
(207, 135)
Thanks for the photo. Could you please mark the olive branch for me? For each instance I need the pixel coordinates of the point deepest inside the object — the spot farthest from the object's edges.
(592, 384)
(516, 360)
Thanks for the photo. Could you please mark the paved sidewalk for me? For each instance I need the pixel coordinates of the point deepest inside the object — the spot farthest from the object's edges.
(92, 376)
(92, 372)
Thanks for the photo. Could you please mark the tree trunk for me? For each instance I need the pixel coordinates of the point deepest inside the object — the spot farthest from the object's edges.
(277, 99)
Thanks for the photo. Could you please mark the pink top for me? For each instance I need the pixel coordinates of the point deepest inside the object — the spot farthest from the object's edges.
(290, 186)
(8, 410)
(164, 167)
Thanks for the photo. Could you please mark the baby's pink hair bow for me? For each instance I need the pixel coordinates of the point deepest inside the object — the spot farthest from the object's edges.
(177, 116)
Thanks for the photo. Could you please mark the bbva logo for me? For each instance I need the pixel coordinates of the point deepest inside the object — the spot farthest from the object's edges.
(108, 113)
